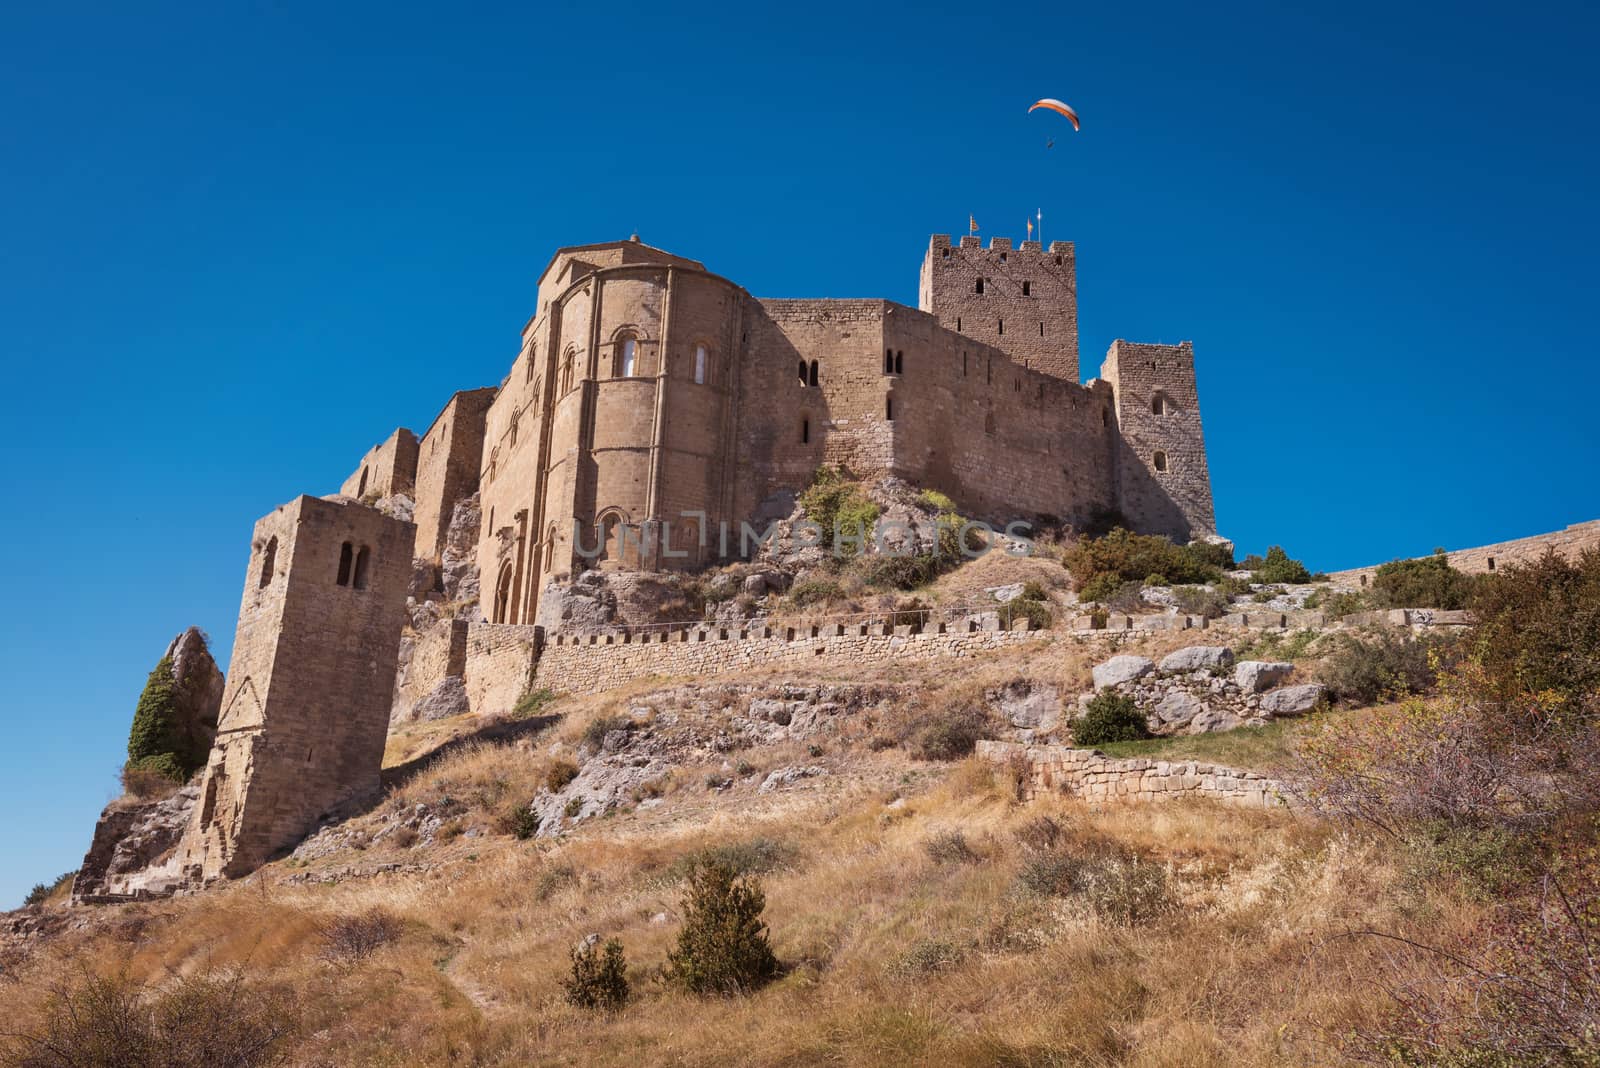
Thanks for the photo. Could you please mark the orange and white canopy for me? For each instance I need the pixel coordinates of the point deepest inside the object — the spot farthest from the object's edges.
(1058, 107)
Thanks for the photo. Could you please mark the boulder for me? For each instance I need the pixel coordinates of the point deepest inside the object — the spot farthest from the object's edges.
(1028, 705)
(459, 561)
(1196, 658)
(1176, 709)
(447, 698)
(1292, 700)
(1255, 676)
(1120, 669)
(1005, 594)
(133, 847)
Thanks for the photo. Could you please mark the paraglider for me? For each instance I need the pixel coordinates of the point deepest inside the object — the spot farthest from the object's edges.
(1059, 108)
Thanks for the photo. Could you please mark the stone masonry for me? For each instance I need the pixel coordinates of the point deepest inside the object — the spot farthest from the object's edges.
(1092, 776)
(306, 710)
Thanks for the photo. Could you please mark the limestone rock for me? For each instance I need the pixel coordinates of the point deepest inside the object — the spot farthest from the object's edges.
(1292, 700)
(133, 841)
(1177, 710)
(459, 569)
(1196, 658)
(1255, 676)
(448, 698)
(789, 776)
(1028, 705)
(1005, 594)
(1120, 669)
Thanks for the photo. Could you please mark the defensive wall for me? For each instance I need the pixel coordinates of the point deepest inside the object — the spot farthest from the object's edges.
(1488, 558)
(1092, 776)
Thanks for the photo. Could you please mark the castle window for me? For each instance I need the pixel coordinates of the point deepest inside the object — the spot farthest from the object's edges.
(502, 593)
(1041, 328)
(888, 408)
(1058, 261)
(988, 423)
(269, 557)
(988, 371)
(1027, 289)
(805, 431)
(1491, 565)
(803, 376)
(529, 376)
(1105, 416)
(1002, 257)
(361, 490)
(568, 363)
(958, 324)
(346, 555)
(899, 363)
(1363, 580)
(1002, 326)
(363, 558)
(629, 358)
(979, 289)
(516, 417)
(963, 364)
(813, 372)
(946, 254)
(1158, 404)
(549, 548)
(888, 361)
(1016, 385)
(699, 365)
(1159, 460)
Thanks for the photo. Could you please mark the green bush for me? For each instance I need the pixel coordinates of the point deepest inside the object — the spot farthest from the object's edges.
(1129, 557)
(1117, 887)
(158, 741)
(532, 703)
(723, 946)
(1037, 613)
(1539, 628)
(594, 735)
(889, 571)
(1201, 601)
(524, 824)
(1210, 554)
(753, 856)
(599, 979)
(1428, 582)
(42, 891)
(950, 734)
(1100, 588)
(1338, 605)
(1278, 568)
(814, 591)
(841, 509)
(1360, 670)
(1110, 717)
(936, 502)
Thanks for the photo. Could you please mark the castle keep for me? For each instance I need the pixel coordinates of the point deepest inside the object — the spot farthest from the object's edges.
(651, 405)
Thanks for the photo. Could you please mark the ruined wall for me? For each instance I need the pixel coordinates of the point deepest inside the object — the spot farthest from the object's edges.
(1023, 300)
(585, 663)
(1164, 483)
(1568, 543)
(1093, 776)
(499, 668)
(448, 460)
(388, 468)
(309, 687)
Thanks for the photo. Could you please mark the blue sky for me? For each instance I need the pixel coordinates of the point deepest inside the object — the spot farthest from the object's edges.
(243, 242)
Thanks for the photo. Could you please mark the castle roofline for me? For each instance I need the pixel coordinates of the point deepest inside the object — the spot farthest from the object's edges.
(647, 254)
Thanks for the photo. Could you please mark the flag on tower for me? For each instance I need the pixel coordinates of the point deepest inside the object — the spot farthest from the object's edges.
(972, 223)
(1030, 229)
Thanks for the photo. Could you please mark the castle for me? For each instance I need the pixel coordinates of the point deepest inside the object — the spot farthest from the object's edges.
(651, 403)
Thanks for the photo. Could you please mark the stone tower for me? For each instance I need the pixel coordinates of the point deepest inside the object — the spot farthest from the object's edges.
(306, 709)
(1023, 301)
(1163, 482)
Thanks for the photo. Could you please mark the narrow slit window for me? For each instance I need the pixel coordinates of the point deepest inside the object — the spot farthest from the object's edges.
(1027, 289)
(888, 361)
(630, 356)
(803, 378)
(363, 559)
(899, 363)
(813, 372)
(888, 408)
(700, 365)
(978, 289)
(1041, 328)
(1002, 326)
(805, 431)
(269, 559)
(346, 555)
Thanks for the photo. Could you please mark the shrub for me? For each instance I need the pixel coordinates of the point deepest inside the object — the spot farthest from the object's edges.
(205, 1021)
(1211, 554)
(1201, 601)
(1428, 582)
(574, 808)
(950, 847)
(936, 502)
(1101, 587)
(1278, 568)
(723, 946)
(523, 824)
(594, 733)
(41, 892)
(1117, 887)
(814, 591)
(1036, 612)
(950, 734)
(552, 879)
(841, 509)
(149, 784)
(1360, 670)
(1110, 717)
(599, 980)
(1040, 833)
(158, 741)
(1539, 628)
(898, 572)
(927, 956)
(1132, 558)
(351, 938)
(754, 856)
(532, 703)
(559, 774)
(1338, 605)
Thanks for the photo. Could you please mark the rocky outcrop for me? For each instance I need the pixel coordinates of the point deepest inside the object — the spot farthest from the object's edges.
(197, 688)
(1032, 708)
(1193, 690)
(459, 561)
(133, 843)
(448, 698)
(599, 601)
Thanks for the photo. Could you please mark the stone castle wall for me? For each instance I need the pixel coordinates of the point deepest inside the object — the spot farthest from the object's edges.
(1023, 300)
(1163, 479)
(499, 668)
(1569, 543)
(448, 460)
(388, 468)
(1092, 776)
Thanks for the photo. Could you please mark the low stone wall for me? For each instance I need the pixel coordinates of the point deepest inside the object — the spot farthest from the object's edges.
(1093, 776)
(500, 663)
(590, 662)
(1568, 543)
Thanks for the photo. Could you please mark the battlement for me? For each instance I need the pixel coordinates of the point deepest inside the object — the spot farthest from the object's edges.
(939, 242)
(1020, 298)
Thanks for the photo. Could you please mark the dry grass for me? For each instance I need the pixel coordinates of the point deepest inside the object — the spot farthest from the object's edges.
(893, 956)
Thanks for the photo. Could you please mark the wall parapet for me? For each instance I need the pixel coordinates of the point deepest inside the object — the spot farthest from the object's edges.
(1092, 776)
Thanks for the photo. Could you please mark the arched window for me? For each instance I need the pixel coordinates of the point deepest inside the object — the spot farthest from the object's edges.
(978, 289)
(1159, 460)
(803, 372)
(568, 363)
(269, 558)
(1159, 404)
(549, 548)
(361, 490)
(899, 363)
(813, 372)
(529, 376)
(610, 546)
(502, 593)
(1105, 416)
(627, 356)
(363, 559)
(701, 358)
(805, 430)
(888, 361)
(516, 417)
(346, 556)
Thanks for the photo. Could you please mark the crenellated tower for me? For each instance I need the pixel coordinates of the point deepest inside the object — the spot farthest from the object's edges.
(1023, 300)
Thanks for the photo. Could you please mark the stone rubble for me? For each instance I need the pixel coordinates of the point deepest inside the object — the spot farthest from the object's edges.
(1199, 689)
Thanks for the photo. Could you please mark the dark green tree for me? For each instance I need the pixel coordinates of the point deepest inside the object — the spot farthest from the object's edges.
(723, 947)
(158, 742)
